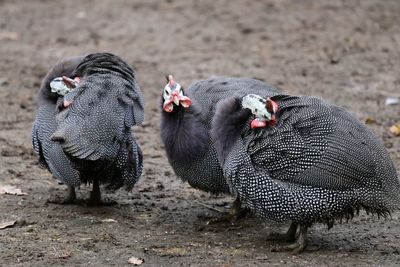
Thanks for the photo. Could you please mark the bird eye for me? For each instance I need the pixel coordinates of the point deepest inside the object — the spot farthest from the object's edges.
(167, 91)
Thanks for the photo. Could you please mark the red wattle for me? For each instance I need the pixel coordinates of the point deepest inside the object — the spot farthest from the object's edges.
(168, 106)
(185, 101)
(257, 124)
(67, 103)
(272, 106)
(272, 122)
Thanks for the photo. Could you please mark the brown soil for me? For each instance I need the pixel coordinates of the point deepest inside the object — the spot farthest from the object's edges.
(347, 52)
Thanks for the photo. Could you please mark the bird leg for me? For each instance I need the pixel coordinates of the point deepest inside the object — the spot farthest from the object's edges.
(95, 196)
(69, 199)
(235, 212)
(71, 195)
(289, 236)
(236, 206)
(298, 246)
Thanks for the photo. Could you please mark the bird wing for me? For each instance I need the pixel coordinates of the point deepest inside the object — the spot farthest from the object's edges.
(256, 188)
(134, 110)
(104, 109)
(133, 164)
(314, 144)
(37, 138)
(51, 155)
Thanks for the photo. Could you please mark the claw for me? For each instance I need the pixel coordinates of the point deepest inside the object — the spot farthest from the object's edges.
(299, 244)
(68, 200)
(235, 213)
(289, 236)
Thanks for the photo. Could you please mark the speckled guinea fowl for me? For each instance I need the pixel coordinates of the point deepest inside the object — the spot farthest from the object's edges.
(94, 123)
(50, 153)
(316, 164)
(185, 131)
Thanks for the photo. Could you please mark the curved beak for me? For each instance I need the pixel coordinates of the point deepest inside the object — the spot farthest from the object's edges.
(175, 97)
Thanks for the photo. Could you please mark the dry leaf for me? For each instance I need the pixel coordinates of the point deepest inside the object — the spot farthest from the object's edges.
(370, 120)
(7, 224)
(11, 190)
(395, 129)
(135, 261)
(62, 254)
(108, 220)
(12, 36)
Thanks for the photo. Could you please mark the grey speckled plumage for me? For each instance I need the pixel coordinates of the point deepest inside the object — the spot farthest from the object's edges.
(185, 132)
(94, 131)
(317, 164)
(50, 153)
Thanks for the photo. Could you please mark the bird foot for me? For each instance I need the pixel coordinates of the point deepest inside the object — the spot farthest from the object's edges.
(63, 200)
(230, 217)
(236, 212)
(95, 197)
(98, 202)
(70, 199)
(299, 244)
(295, 248)
(281, 237)
(289, 236)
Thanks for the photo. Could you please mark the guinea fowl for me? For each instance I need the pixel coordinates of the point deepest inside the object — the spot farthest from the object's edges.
(302, 160)
(94, 123)
(186, 123)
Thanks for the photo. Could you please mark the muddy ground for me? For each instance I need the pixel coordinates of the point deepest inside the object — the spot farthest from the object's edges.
(347, 52)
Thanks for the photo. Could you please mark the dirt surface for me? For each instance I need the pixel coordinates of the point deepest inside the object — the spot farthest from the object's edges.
(347, 52)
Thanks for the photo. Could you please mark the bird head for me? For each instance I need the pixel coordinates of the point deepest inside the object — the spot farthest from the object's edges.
(63, 85)
(263, 110)
(173, 96)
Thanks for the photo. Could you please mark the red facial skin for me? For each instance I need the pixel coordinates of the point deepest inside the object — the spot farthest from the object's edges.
(272, 107)
(175, 97)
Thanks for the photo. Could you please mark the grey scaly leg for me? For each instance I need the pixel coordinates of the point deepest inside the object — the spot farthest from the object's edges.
(234, 213)
(95, 196)
(69, 199)
(289, 236)
(298, 246)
